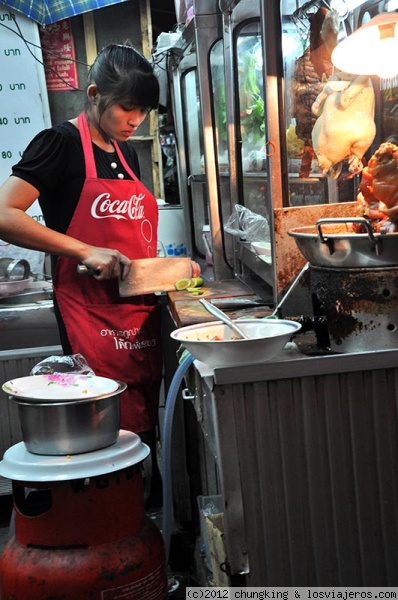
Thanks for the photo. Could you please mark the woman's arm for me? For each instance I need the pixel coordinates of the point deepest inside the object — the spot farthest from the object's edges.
(17, 227)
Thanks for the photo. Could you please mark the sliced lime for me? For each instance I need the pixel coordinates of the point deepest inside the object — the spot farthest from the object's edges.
(197, 282)
(183, 284)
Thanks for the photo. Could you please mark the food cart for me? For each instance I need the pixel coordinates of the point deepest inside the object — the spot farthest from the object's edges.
(302, 450)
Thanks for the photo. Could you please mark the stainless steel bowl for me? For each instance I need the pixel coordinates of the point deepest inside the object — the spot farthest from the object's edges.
(55, 427)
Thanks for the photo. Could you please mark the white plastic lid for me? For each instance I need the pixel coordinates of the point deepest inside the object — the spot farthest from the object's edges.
(20, 465)
(60, 386)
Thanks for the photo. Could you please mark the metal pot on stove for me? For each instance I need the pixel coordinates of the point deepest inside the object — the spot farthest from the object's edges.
(354, 282)
(333, 243)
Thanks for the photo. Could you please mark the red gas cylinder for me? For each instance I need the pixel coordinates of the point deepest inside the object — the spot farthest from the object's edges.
(84, 538)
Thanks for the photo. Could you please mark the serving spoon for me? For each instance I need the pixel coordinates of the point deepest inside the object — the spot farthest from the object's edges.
(216, 312)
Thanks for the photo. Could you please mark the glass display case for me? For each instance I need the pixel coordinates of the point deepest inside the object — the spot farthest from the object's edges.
(219, 104)
(310, 32)
(194, 157)
(198, 100)
(219, 112)
(249, 147)
(252, 136)
(307, 40)
(248, 83)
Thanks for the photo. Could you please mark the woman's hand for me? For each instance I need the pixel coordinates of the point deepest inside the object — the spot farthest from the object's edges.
(107, 263)
(195, 269)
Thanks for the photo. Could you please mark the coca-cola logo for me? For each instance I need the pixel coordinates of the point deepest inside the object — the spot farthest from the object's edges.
(104, 207)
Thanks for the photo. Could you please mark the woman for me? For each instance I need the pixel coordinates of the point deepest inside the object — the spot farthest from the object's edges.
(98, 214)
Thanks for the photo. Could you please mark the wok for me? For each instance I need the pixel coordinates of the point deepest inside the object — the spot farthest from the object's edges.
(334, 243)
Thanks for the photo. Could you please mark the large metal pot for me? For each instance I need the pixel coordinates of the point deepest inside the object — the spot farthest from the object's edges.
(54, 427)
(334, 243)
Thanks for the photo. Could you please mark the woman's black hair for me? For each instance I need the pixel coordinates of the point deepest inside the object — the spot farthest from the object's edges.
(121, 73)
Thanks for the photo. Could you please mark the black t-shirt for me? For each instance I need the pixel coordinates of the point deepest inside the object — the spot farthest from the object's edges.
(53, 163)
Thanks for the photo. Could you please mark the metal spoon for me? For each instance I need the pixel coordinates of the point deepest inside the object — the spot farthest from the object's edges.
(216, 312)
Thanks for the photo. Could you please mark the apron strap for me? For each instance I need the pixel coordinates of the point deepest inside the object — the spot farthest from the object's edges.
(91, 169)
(124, 162)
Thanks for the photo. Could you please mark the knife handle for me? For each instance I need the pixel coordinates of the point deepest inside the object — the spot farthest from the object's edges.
(83, 270)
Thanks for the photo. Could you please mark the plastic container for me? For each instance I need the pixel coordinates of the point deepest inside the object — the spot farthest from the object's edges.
(171, 231)
(208, 506)
(206, 236)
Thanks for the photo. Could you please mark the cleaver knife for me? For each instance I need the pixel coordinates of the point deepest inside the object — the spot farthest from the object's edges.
(150, 275)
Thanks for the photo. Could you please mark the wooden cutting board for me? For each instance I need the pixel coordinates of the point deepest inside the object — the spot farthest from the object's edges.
(186, 309)
(226, 288)
(150, 275)
(192, 313)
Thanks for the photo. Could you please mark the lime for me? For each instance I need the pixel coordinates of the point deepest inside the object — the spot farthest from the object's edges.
(196, 292)
(183, 284)
(197, 282)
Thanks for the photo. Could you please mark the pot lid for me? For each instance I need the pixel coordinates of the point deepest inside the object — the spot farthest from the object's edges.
(59, 387)
(20, 465)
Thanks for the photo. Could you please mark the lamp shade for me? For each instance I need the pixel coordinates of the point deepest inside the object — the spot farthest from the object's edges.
(370, 50)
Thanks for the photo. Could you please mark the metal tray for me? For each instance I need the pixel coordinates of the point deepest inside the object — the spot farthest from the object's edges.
(333, 243)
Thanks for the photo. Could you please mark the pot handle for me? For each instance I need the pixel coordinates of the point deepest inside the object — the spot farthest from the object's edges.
(360, 220)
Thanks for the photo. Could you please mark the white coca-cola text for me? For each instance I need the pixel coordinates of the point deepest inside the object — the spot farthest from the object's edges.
(104, 207)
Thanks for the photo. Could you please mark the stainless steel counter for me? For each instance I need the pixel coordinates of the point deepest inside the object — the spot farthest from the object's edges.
(292, 362)
(27, 319)
(307, 454)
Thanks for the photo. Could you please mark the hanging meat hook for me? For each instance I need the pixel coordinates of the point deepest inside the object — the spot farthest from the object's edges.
(301, 16)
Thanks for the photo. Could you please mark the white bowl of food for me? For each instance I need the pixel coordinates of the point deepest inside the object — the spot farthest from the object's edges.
(218, 346)
(261, 248)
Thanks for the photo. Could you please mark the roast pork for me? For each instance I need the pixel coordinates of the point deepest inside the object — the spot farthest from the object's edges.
(378, 190)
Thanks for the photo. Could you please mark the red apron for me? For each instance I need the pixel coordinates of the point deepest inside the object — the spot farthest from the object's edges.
(119, 337)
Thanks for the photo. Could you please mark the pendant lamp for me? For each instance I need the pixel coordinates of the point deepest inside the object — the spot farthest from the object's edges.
(370, 50)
